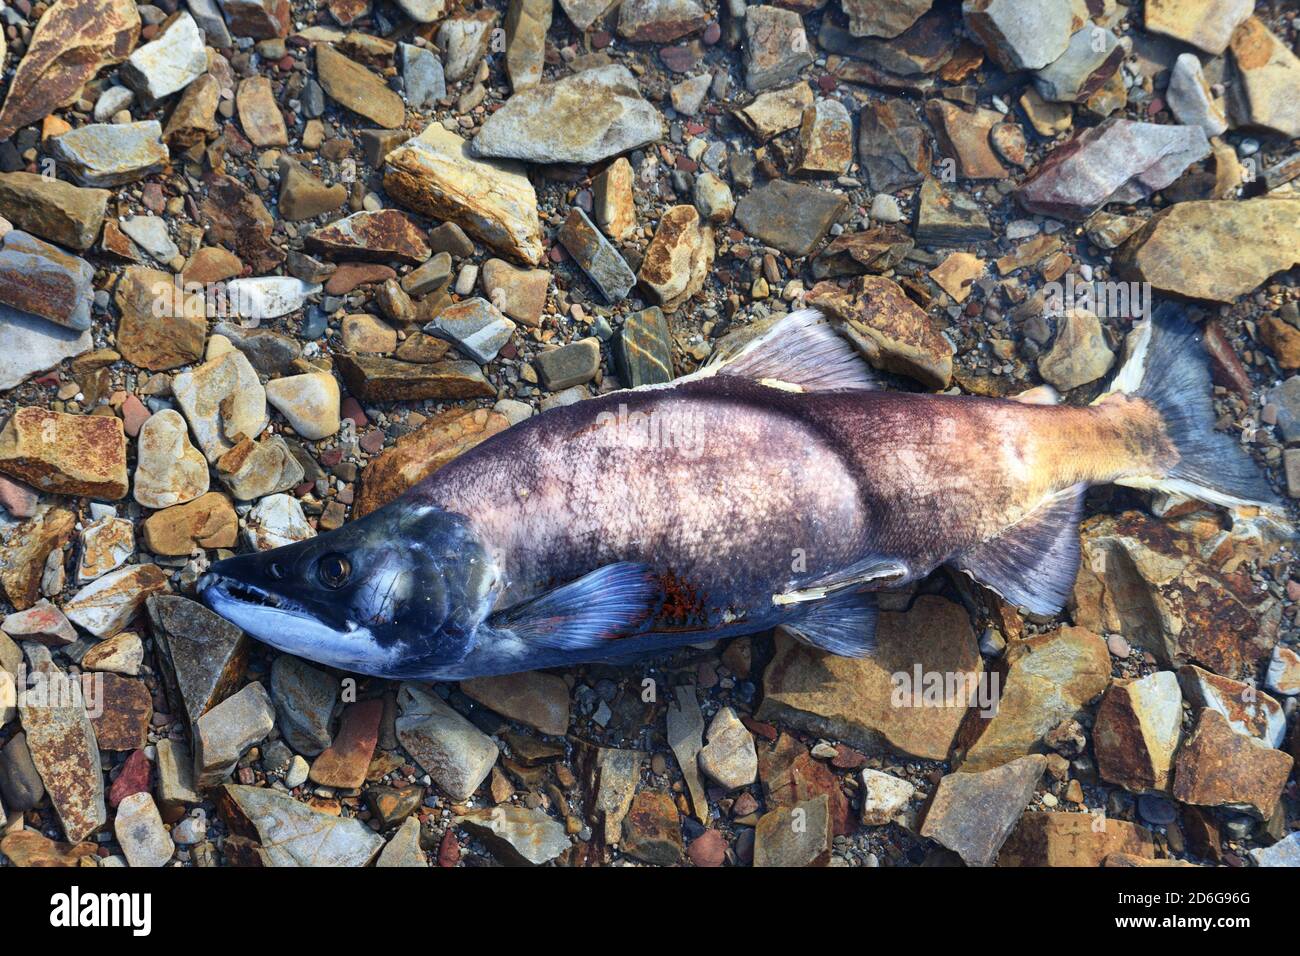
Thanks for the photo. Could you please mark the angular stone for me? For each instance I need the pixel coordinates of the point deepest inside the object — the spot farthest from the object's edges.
(354, 87)
(391, 806)
(1205, 24)
(1190, 99)
(29, 345)
(1020, 36)
(259, 19)
(20, 781)
(948, 218)
(713, 198)
(422, 77)
(223, 402)
(963, 137)
(111, 154)
(789, 216)
(463, 42)
(569, 365)
(1119, 161)
(688, 95)
(122, 654)
(73, 40)
(972, 814)
(253, 469)
(52, 209)
(774, 112)
(344, 763)
(537, 699)
(1051, 678)
(678, 260)
(194, 120)
(1072, 839)
(652, 831)
(304, 701)
(269, 352)
(1137, 730)
(420, 453)
(659, 21)
(615, 204)
(517, 835)
(883, 18)
(381, 379)
(423, 11)
(582, 118)
(776, 47)
(303, 196)
(209, 521)
(310, 402)
(26, 549)
(889, 329)
(825, 139)
(1250, 239)
(1218, 767)
(65, 454)
(618, 772)
(583, 13)
(795, 836)
(163, 325)
(436, 175)
(1283, 853)
(202, 656)
(403, 848)
(594, 254)
(43, 280)
(223, 734)
(729, 758)
(850, 699)
(475, 327)
(42, 622)
(237, 219)
(1268, 80)
(519, 293)
(451, 750)
(61, 742)
(105, 545)
(372, 236)
(685, 727)
(884, 797)
(1079, 353)
(169, 470)
(644, 349)
(293, 834)
(275, 521)
(107, 605)
(1091, 59)
(259, 114)
(150, 234)
(173, 59)
(957, 274)
(1283, 676)
(120, 709)
(1248, 710)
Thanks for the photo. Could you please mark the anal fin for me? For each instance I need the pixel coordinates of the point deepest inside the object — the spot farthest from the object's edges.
(1033, 563)
(843, 624)
(606, 604)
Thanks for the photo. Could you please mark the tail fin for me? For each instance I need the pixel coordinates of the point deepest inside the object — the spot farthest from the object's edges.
(1168, 367)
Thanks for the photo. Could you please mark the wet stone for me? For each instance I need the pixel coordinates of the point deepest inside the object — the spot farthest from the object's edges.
(202, 656)
(594, 254)
(475, 327)
(789, 216)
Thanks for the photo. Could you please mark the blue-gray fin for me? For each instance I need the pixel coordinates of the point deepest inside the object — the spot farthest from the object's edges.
(1033, 563)
(873, 570)
(844, 624)
(609, 603)
(801, 349)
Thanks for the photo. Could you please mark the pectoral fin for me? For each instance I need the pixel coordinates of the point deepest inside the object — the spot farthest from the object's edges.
(844, 624)
(1033, 563)
(604, 605)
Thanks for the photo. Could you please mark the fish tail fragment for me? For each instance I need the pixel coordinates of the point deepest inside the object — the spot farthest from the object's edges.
(1169, 368)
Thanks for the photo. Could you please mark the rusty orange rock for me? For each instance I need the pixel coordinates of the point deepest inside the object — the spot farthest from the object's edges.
(66, 454)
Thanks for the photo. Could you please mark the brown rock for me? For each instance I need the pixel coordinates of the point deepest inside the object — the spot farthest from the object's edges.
(1282, 338)
(303, 196)
(1138, 726)
(1072, 839)
(344, 763)
(259, 19)
(652, 830)
(237, 219)
(211, 264)
(963, 137)
(888, 328)
(53, 209)
(163, 324)
(26, 548)
(194, 120)
(1218, 767)
(383, 379)
(355, 88)
(66, 454)
(259, 114)
(420, 453)
(119, 709)
(678, 259)
(539, 700)
(382, 235)
(615, 206)
(73, 40)
(795, 836)
(791, 776)
(207, 522)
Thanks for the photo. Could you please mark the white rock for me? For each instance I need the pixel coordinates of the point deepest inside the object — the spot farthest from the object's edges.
(222, 399)
(170, 62)
(113, 99)
(104, 606)
(169, 470)
(1284, 672)
(140, 831)
(275, 521)
(729, 758)
(884, 797)
(267, 297)
(310, 402)
(1189, 97)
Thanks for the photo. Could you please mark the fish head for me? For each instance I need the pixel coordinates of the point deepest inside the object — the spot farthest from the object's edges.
(397, 593)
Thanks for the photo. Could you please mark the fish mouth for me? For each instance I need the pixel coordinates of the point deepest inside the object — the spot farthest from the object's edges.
(220, 592)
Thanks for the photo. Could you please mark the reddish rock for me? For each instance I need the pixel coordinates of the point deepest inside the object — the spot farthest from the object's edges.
(708, 849)
(343, 765)
(126, 709)
(133, 778)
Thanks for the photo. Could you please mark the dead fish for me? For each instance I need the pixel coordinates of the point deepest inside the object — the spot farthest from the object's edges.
(778, 488)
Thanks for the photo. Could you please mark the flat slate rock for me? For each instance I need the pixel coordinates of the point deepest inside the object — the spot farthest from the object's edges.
(791, 217)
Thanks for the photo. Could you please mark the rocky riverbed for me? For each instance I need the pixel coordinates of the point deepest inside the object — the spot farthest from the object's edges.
(264, 265)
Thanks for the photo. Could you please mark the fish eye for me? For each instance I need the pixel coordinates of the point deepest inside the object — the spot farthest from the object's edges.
(333, 570)
(277, 571)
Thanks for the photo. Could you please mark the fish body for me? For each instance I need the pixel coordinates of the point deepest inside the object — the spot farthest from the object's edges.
(729, 503)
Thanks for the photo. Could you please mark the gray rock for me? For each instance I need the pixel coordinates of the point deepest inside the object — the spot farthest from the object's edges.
(569, 365)
(713, 198)
(644, 349)
(893, 145)
(463, 40)
(1083, 68)
(113, 99)
(560, 122)
(423, 11)
(474, 326)
(20, 781)
(268, 351)
(790, 216)
(422, 76)
(688, 95)
(1282, 853)
(111, 154)
(1189, 97)
(452, 751)
(403, 850)
(140, 832)
(1018, 35)
(173, 60)
(729, 758)
(175, 765)
(41, 279)
(202, 656)
(293, 834)
(208, 16)
(776, 47)
(150, 234)
(972, 814)
(304, 700)
(29, 345)
(685, 728)
(517, 835)
(596, 256)
(227, 730)
(948, 218)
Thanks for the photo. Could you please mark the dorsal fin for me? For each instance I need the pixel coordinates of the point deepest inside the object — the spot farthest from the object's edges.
(800, 349)
(1033, 563)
